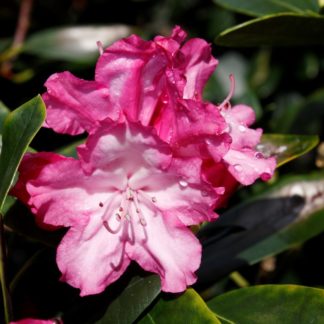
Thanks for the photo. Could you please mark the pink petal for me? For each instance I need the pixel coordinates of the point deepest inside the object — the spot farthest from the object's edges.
(166, 247)
(218, 176)
(247, 165)
(185, 121)
(196, 60)
(75, 105)
(58, 191)
(30, 168)
(124, 148)
(36, 321)
(92, 264)
(179, 191)
(239, 118)
(130, 69)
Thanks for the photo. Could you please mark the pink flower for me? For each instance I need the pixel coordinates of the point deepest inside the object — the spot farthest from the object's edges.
(134, 77)
(160, 83)
(158, 159)
(126, 198)
(36, 321)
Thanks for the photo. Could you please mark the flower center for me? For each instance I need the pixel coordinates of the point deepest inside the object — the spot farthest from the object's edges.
(128, 209)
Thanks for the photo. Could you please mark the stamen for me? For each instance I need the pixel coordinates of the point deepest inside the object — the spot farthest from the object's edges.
(101, 204)
(109, 229)
(226, 104)
(143, 221)
(149, 201)
(120, 262)
(130, 195)
(110, 206)
(139, 212)
(100, 47)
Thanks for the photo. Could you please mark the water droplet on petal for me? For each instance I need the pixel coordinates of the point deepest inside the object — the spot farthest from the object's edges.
(238, 167)
(183, 183)
(165, 99)
(265, 176)
(220, 190)
(242, 128)
(154, 199)
(118, 217)
(258, 155)
(204, 193)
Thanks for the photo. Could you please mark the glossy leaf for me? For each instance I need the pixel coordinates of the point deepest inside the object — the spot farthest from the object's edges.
(76, 44)
(70, 149)
(286, 147)
(20, 127)
(133, 300)
(289, 214)
(4, 111)
(309, 223)
(267, 7)
(186, 308)
(285, 29)
(270, 304)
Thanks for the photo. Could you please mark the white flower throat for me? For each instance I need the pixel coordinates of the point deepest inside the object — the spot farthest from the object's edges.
(129, 208)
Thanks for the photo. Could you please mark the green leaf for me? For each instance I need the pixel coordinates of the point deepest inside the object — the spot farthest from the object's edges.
(267, 7)
(70, 149)
(285, 29)
(20, 127)
(286, 147)
(269, 304)
(4, 111)
(76, 44)
(308, 224)
(288, 214)
(186, 308)
(133, 300)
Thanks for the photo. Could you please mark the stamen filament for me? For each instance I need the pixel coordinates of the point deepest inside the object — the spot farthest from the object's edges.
(226, 103)
(109, 229)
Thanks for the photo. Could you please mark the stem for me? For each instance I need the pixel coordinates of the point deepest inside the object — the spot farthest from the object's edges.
(4, 287)
(23, 22)
(239, 279)
(19, 37)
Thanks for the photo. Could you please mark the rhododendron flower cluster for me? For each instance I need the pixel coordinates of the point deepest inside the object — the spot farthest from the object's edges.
(158, 158)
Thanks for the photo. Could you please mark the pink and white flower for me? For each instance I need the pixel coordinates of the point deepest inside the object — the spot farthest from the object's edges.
(157, 160)
(160, 83)
(126, 198)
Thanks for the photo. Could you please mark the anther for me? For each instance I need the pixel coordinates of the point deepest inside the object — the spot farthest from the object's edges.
(101, 204)
(100, 47)
(143, 221)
